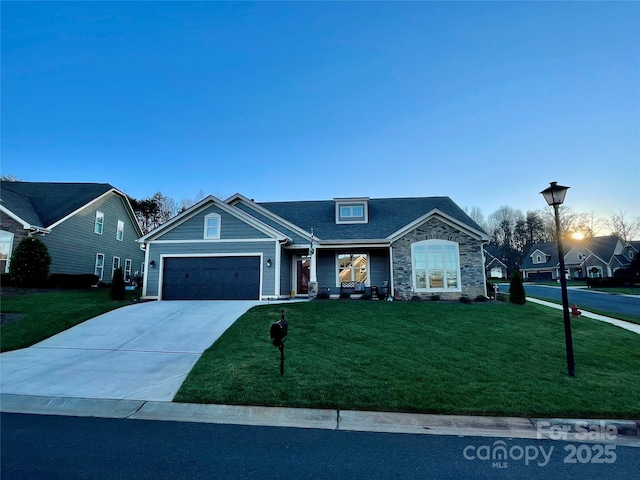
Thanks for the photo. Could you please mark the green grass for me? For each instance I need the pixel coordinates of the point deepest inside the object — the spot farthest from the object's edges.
(46, 314)
(432, 357)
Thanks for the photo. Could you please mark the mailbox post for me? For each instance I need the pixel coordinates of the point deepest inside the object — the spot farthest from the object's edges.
(278, 335)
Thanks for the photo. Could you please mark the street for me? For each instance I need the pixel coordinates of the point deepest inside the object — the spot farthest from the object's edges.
(585, 298)
(59, 447)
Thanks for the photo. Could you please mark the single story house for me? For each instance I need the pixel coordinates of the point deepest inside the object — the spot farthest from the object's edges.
(88, 228)
(242, 249)
(596, 257)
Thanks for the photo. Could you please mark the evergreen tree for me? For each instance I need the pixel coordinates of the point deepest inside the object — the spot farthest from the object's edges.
(117, 290)
(516, 289)
(30, 263)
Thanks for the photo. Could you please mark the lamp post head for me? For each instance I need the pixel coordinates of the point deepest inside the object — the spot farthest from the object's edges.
(554, 194)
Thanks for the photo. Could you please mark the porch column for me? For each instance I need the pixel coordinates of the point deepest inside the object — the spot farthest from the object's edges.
(313, 273)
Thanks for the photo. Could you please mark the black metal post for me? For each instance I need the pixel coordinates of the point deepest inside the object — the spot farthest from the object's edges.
(565, 299)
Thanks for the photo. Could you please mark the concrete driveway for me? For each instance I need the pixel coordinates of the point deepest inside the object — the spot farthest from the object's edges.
(138, 352)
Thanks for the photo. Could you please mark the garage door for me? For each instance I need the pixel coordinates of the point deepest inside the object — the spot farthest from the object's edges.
(211, 278)
(540, 276)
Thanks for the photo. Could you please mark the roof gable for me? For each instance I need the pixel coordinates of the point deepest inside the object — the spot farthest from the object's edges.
(203, 205)
(43, 204)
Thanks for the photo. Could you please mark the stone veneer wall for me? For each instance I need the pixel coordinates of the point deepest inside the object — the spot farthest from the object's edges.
(471, 263)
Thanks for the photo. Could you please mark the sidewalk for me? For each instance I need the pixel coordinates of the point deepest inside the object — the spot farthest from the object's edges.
(632, 327)
(625, 432)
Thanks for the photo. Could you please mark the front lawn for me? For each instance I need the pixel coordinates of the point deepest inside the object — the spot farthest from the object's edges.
(38, 316)
(432, 357)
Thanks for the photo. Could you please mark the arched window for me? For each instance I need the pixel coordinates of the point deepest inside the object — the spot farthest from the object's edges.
(436, 266)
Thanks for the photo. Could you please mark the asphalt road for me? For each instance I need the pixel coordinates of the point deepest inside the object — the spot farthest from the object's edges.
(57, 447)
(585, 298)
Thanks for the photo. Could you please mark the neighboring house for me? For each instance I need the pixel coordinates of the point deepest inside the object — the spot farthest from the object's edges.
(87, 227)
(493, 266)
(597, 257)
(240, 249)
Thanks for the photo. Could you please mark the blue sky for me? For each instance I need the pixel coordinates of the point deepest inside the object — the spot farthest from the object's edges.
(485, 102)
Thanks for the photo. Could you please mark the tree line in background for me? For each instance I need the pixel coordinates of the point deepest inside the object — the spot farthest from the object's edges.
(512, 232)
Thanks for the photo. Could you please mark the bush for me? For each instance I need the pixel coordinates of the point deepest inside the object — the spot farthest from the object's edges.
(345, 295)
(415, 298)
(324, 295)
(435, 298)
(481, 298)
(464, 299)
(5, 280)
(30, 263)
(516, 289)
(63, 280)
(365, 296)
(117, 291)
(501, 297)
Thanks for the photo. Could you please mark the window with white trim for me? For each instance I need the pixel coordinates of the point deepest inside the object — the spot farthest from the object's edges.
(352, 267)
(6, 247)
(351, 212)
(212, 226)
(120, 231)
(436, 266)
(99, 269)
(116, 265)
(127, 270)
(99, 224)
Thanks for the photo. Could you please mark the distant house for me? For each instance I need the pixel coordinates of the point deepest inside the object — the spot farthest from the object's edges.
(87, 227)
(242, 249)
(597, 257)
(494, 267)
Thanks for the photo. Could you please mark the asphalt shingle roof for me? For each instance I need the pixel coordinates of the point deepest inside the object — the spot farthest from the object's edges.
(43, 203)
(386, 216)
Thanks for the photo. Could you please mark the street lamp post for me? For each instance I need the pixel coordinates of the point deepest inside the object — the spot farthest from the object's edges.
(554, 195)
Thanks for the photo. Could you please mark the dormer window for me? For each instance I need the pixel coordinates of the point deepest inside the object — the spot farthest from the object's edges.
(352, 210)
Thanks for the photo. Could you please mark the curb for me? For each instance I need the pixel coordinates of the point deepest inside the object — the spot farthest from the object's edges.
(626, 432)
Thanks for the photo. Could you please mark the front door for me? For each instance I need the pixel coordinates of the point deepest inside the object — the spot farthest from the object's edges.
(303, 271)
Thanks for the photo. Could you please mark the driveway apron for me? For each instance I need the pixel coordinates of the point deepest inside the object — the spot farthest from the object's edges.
(138, 352)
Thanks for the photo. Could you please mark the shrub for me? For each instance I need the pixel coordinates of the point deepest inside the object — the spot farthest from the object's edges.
(435, 298)
(464, 299)
(5, 280)
(501, 297)
(416, 298)
(324, 295)
(481, 298)
(345, 295)
(63, 280)
(365, 296)
(516, 289)
(117, 291)
(30, 263)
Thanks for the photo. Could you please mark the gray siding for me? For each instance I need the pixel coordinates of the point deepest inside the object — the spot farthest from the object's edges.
(73, 245)
(267, 248)
(297, 239)
(231, 227)
(285, 272)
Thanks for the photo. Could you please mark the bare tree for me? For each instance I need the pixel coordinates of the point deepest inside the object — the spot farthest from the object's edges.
(476, 215)
(153, 211)
(9, 178)
(622, 226)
